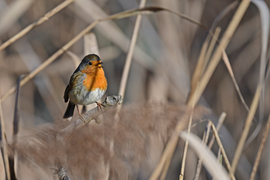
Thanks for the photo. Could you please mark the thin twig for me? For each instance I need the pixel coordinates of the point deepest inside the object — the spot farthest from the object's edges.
(229, 67)
(222, 149)
(219, 159)
(198, 70)
(223, 13)
(264, 13)
(201, 65)
(208, 156)
(218, 53)
(90, 115)
(124, 78)
(204, 58)
(4, 143)
(259, 154)
(182, 172)
(205, 140)
(166, 167)
(16, 112)
(219, 124)
(153, 9)
(244, 135)
(181, 176)
(14, 159)
(36, 23)
(210, 48)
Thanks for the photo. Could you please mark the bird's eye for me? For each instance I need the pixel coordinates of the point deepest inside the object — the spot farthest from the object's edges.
(90, 63)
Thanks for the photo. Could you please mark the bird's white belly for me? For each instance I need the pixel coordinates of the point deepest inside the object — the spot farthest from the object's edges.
(84, 97)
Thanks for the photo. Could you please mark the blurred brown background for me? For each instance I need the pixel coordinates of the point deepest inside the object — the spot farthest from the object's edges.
(164, 39)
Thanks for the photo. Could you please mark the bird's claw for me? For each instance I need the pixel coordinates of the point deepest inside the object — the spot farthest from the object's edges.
(99, 106)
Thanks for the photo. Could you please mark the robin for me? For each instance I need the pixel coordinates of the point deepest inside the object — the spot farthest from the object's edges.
(86, 85)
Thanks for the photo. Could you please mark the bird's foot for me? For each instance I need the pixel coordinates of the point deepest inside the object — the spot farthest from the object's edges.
(100, 106)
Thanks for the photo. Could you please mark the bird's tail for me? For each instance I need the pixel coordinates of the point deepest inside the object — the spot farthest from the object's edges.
(69, 111)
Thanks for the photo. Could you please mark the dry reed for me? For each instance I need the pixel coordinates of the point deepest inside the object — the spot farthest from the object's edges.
(167, 48)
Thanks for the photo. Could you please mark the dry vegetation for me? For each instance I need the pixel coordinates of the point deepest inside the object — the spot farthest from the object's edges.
(166, 60)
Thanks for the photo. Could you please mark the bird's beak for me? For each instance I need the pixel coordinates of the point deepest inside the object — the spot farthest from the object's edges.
(99, 64)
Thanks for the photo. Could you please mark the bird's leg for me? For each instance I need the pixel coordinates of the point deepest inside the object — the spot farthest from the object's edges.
(81, 117)
(99, 105)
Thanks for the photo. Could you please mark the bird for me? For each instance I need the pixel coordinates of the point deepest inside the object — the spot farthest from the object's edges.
(86, 85)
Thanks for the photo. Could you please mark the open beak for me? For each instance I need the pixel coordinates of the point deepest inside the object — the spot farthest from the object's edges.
(99, 64)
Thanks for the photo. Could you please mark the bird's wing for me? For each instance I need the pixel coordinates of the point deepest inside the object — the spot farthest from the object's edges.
(68, 88)
(72, 82)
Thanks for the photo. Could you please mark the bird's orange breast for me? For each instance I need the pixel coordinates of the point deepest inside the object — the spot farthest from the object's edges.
(95, 79)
